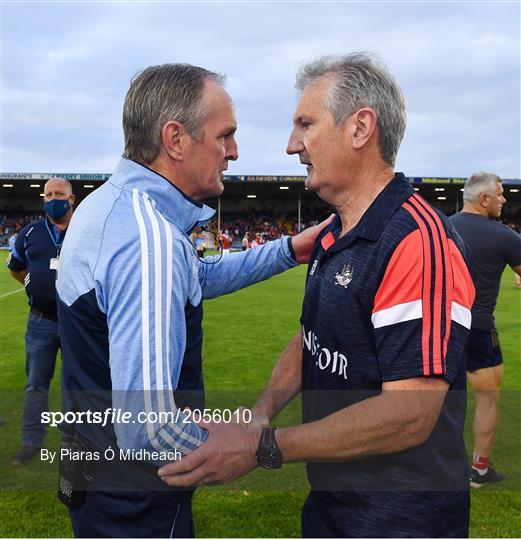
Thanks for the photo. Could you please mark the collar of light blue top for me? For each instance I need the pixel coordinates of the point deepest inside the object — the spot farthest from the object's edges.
(176, 206)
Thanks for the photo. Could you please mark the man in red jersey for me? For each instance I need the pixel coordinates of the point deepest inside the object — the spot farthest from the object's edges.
(225, 242)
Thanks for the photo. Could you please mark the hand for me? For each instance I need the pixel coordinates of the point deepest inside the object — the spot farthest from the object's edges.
(303, 242)
(228, 453)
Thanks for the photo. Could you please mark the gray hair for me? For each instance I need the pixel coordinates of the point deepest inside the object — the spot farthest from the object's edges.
(479, 182)
(359, 80)
(68, 185)
(157, 95)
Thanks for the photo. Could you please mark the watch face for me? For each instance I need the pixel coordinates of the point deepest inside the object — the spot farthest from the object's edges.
(269, 458)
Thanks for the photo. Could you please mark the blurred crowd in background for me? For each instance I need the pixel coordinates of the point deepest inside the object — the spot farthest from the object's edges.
(246, 228)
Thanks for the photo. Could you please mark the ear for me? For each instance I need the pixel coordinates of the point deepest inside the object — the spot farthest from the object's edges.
(483, 199)
(174, 138)
(73, 199)
(362, 126)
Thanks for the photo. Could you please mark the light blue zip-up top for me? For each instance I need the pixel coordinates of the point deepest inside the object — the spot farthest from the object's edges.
(127, 271)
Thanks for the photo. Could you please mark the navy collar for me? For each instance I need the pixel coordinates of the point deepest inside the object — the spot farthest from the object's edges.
(376, 217)
(175, 205)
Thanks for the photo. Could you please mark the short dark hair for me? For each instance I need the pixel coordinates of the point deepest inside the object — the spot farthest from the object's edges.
(157, 95)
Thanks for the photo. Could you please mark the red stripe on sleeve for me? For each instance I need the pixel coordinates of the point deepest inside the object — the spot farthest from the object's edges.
(449, 277)
(437, 354)
(426, 293)
(438, 290)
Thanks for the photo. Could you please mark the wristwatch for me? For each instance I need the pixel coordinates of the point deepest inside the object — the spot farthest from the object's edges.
(268, 454)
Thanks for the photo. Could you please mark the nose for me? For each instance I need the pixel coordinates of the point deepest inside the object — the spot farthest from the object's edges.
(295, 145)
(232, 151)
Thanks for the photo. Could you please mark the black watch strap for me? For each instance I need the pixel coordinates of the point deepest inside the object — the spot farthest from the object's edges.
(268, 437)
(268, 454)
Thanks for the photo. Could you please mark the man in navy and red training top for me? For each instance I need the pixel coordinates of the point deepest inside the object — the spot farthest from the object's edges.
(386, 314)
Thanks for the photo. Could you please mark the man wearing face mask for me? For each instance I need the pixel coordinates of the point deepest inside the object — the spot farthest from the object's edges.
(34, 262)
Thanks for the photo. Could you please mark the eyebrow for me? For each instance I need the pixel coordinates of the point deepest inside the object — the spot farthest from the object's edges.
(302, 117)
(229, 131)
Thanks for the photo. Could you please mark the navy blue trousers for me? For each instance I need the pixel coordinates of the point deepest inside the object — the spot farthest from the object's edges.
(386, 515)
(41, 348)
(131, 514)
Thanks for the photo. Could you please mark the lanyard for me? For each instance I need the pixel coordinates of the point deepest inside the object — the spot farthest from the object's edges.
(57, 243)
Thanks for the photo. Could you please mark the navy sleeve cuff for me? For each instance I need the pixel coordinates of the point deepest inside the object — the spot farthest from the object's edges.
(14, 264)
(290, 247)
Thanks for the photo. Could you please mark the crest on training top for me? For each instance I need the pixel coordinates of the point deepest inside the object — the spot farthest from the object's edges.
(345, 275)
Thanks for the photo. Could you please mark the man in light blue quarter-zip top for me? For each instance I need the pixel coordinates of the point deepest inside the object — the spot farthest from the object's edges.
(130, 290)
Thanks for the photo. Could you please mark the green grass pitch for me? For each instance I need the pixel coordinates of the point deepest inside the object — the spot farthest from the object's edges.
(244, 334)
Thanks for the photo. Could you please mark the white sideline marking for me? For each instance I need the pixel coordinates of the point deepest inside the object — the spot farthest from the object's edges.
(10, 293)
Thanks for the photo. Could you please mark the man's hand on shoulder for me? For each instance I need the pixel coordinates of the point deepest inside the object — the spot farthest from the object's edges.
(303, 242)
